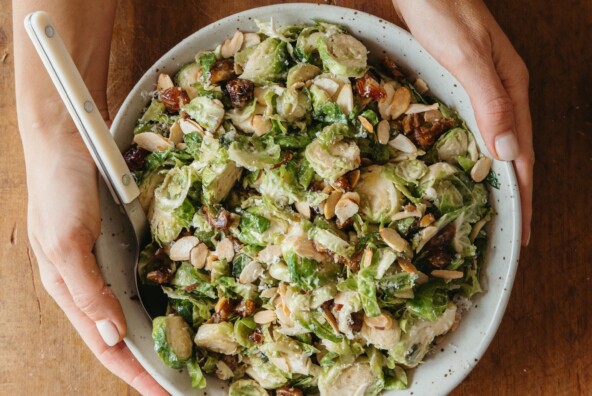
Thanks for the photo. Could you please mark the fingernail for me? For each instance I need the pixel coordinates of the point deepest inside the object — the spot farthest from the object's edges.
(527, 242)
(506, 146)
(108, 331)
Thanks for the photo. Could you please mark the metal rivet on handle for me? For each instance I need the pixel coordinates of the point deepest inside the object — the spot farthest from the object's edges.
(49, 31)
(88, 106)
(125, 179)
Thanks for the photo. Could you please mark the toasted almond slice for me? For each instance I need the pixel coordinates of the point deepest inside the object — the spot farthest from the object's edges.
(426, 234)
(383, 321)
(345, 209)
(198, 255)
(415, 108)
(250, 273)
(152, 141)
(345, 99)
(270, 254)
(402, 143)
(353, 178)
(367, 125)
(384, 106)
(329, 85)
(383, 132)
(176, 133)
(421, 278)
(225, 250)
(303, 208)
(330, 204)
(481, 169)
(181, 249)
(233, 45)
(401, 102)
(164, 82)
(261, 125)
(264, 317)
(221, 304)
(352, 196)
(476, 228)
(393, 239)
(383, 129)
(250, 39)
(223, 372)
(367, 257)
(421, 86)
(427, 220)
(328, 189)
(268, 293)
(331, 319)
(188, 126)
(406, 265)
(446, 274)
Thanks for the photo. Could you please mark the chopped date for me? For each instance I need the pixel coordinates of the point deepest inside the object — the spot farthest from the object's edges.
(135, 158)
(356, 321)
(240, 92)
(220, 220)
(246, 308)
(160, 275)
(441, 239)
(174, 98)
(230, 360)
(342, 184)
(256, 336)
(222, 70)
(425, 136)
(288, 391)
(439, 258)
(369, 87)
(392, 67)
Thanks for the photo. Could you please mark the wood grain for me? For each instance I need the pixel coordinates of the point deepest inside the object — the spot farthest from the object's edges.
(543, 345)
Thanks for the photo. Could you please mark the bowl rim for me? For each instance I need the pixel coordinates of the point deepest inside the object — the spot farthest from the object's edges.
(513, 255)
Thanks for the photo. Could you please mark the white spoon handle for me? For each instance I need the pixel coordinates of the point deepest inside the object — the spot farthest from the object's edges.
(82, 108)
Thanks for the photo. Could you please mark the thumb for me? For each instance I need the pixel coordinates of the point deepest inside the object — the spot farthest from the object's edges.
(494, 109)
(89, 292)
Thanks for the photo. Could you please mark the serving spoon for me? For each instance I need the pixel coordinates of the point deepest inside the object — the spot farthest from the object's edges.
(99, 141)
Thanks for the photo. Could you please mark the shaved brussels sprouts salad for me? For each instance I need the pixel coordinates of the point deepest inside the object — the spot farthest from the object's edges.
(317, 221)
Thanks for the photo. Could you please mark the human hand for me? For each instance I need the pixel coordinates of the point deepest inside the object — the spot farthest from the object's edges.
(64, 223)
(465, 38)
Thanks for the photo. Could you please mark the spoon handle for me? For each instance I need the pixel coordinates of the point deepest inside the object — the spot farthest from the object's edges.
(82, 108)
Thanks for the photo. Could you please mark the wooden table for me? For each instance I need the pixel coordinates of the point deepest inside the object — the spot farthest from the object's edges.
(543, 346)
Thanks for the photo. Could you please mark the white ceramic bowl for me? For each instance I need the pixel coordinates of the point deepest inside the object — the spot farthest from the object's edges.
(461, 350)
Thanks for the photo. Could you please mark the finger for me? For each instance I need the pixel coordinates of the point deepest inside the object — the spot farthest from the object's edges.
(78, 269)
(494, 109)
(118, 359)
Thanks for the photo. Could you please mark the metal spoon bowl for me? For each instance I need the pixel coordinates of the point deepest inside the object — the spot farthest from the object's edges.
(99, 141)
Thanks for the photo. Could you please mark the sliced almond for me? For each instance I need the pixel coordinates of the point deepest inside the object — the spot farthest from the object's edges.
(233, 45)
(198, 255)
(421, 86)
(426, 234)
(164, 82)
(152, 141)
(481, 169)
(367, 257)
(415, 108)
(225, 250)
(210, 260)
(345, 209)
(383, 132)
(264, 317)
(259, 94)
(446, 274)
(384, 106)
(181, 249)
(476, 228)
(250, 272)
(330, 319)
(367, 125)
(352, 196)
(329, 85)
(330, 204)
(345, 99)
(303, 208)
(268, 293)
(223, 372)
(261, 125)
(426, 220)
(353, 178)
(400, 103)
(188, 126)
(421, 278)
(393, 239)
(406, 265)
(382, 322)
(176, 134)
(402, 143)
(250, 39)
(270, 254)
(328, 189)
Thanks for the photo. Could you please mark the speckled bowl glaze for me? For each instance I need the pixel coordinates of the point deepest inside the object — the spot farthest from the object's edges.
(460, 351)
